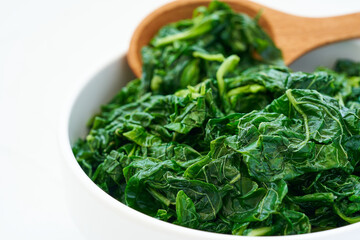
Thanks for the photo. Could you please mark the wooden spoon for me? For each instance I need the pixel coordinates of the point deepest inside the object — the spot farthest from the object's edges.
(294, 35)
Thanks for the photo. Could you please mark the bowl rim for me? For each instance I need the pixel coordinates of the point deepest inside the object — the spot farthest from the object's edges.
(130, 213)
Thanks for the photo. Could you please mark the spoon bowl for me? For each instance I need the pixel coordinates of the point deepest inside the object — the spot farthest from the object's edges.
(294, 35)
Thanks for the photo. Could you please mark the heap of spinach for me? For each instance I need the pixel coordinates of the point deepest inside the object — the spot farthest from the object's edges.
(219, 135)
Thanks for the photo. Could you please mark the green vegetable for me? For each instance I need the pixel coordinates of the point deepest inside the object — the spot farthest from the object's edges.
(218, 135)
(211, 36)
(348, 67)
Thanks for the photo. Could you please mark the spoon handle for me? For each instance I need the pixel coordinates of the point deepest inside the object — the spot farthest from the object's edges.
(296, 35)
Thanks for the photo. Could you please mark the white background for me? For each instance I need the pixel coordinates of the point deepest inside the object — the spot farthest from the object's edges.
(46, 47)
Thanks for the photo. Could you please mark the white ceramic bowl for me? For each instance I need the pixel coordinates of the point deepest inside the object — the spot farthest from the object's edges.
(98, 215)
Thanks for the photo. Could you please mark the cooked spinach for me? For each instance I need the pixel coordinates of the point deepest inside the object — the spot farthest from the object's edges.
(219, 135)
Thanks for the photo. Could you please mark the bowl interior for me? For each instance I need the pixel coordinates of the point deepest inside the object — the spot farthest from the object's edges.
(99, 90)
(326, 56)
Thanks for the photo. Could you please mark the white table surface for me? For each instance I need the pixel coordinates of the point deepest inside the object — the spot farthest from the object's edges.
(45, 47)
